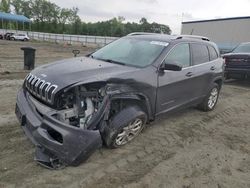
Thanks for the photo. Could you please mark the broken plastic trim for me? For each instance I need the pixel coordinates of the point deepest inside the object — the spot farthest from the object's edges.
(47, 161)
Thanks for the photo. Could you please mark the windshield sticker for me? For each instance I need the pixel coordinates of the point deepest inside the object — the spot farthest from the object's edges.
(159, 43)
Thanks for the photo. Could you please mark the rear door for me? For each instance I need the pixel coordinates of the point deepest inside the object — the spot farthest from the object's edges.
(204, 58)
(175, 88)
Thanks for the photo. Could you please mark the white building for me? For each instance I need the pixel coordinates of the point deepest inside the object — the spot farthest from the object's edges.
(226, 32)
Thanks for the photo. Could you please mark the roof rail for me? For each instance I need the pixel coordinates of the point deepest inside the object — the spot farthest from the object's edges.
(192, 37)
(141, 33)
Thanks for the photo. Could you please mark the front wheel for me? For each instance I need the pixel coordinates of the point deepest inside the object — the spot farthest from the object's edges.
(129, 132)
(211, 99)
(125, 126)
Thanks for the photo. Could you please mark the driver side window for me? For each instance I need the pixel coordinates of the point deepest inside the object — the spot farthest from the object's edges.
(179, 55)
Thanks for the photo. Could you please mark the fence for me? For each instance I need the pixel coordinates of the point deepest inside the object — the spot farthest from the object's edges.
(64, 38)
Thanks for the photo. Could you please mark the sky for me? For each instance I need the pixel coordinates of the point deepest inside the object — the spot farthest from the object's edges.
(168, 12)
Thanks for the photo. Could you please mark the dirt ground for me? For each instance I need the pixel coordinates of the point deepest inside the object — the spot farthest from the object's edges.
(189, 149)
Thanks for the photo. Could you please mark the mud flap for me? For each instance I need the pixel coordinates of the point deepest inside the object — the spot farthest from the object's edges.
(48, 161)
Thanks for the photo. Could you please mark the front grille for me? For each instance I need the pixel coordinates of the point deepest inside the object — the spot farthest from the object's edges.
(40, 88)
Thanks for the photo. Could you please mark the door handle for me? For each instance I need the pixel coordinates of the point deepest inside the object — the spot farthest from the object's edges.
(212, 68)
(189, 74)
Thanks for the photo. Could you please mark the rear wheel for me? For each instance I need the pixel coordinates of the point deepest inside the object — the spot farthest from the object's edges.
(211, 99)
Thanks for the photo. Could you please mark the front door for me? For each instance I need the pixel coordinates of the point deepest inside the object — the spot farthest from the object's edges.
(175, 88)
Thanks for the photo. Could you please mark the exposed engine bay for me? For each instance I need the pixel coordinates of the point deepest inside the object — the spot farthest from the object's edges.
(77, 105)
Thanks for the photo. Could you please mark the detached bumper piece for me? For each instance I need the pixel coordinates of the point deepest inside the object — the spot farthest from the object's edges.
(47, 161)
(57, 144)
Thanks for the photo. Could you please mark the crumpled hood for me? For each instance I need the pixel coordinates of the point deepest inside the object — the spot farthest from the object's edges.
(82, 69)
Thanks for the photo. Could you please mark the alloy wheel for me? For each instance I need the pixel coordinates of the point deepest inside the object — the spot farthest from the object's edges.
(129, 132)
(213, 98)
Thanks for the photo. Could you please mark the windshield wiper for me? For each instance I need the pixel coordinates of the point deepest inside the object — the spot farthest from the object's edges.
(112, 61)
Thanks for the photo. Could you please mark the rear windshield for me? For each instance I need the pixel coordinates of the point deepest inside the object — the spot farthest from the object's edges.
(242, 48)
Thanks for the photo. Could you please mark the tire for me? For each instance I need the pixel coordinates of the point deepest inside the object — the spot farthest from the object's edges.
(12, 38)
(211, 99)
(124, 127)
(25, 40)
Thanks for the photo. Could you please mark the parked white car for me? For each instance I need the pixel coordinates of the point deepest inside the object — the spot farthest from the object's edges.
(22, 37)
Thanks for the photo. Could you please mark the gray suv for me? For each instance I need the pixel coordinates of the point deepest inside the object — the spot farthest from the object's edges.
(70, 108)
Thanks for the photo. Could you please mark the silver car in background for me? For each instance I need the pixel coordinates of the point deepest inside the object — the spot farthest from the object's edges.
(22, 37)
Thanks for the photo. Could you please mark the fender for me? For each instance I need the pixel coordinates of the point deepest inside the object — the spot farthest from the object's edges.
(138, 97)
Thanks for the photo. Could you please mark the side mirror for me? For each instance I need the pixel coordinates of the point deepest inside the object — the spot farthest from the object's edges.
(171, 67)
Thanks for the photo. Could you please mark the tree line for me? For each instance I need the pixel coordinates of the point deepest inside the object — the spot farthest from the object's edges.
(49, 17)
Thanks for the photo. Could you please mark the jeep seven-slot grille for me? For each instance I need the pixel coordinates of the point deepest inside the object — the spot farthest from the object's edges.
(40, 88)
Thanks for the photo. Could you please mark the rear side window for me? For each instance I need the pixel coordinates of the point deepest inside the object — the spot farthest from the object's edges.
(213, 53)
(179, 55)
(200, 54)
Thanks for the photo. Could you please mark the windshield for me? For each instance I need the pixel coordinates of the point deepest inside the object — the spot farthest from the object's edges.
(131, 51)
(242, 48)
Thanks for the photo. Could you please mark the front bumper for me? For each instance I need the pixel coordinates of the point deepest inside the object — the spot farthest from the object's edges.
(74, 144)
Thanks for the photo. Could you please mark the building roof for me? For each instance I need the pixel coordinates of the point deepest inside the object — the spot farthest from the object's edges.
(13, 17)
(219, 19)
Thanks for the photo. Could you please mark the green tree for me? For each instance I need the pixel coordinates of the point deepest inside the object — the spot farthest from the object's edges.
(49, 17)
(75, 20)
(26, 9)
(17, 4)
(145, 26)
(22, 7)
(45, 15)
(63, 18)
(5, 6)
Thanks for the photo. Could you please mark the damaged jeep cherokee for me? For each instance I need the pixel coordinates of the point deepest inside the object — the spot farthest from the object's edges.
(72, 107)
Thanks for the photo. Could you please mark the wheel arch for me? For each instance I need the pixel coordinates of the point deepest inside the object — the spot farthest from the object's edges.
(136, 99)
(219, 81)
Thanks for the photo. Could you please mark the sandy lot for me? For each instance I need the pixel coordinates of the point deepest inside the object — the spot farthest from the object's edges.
(190, 149)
